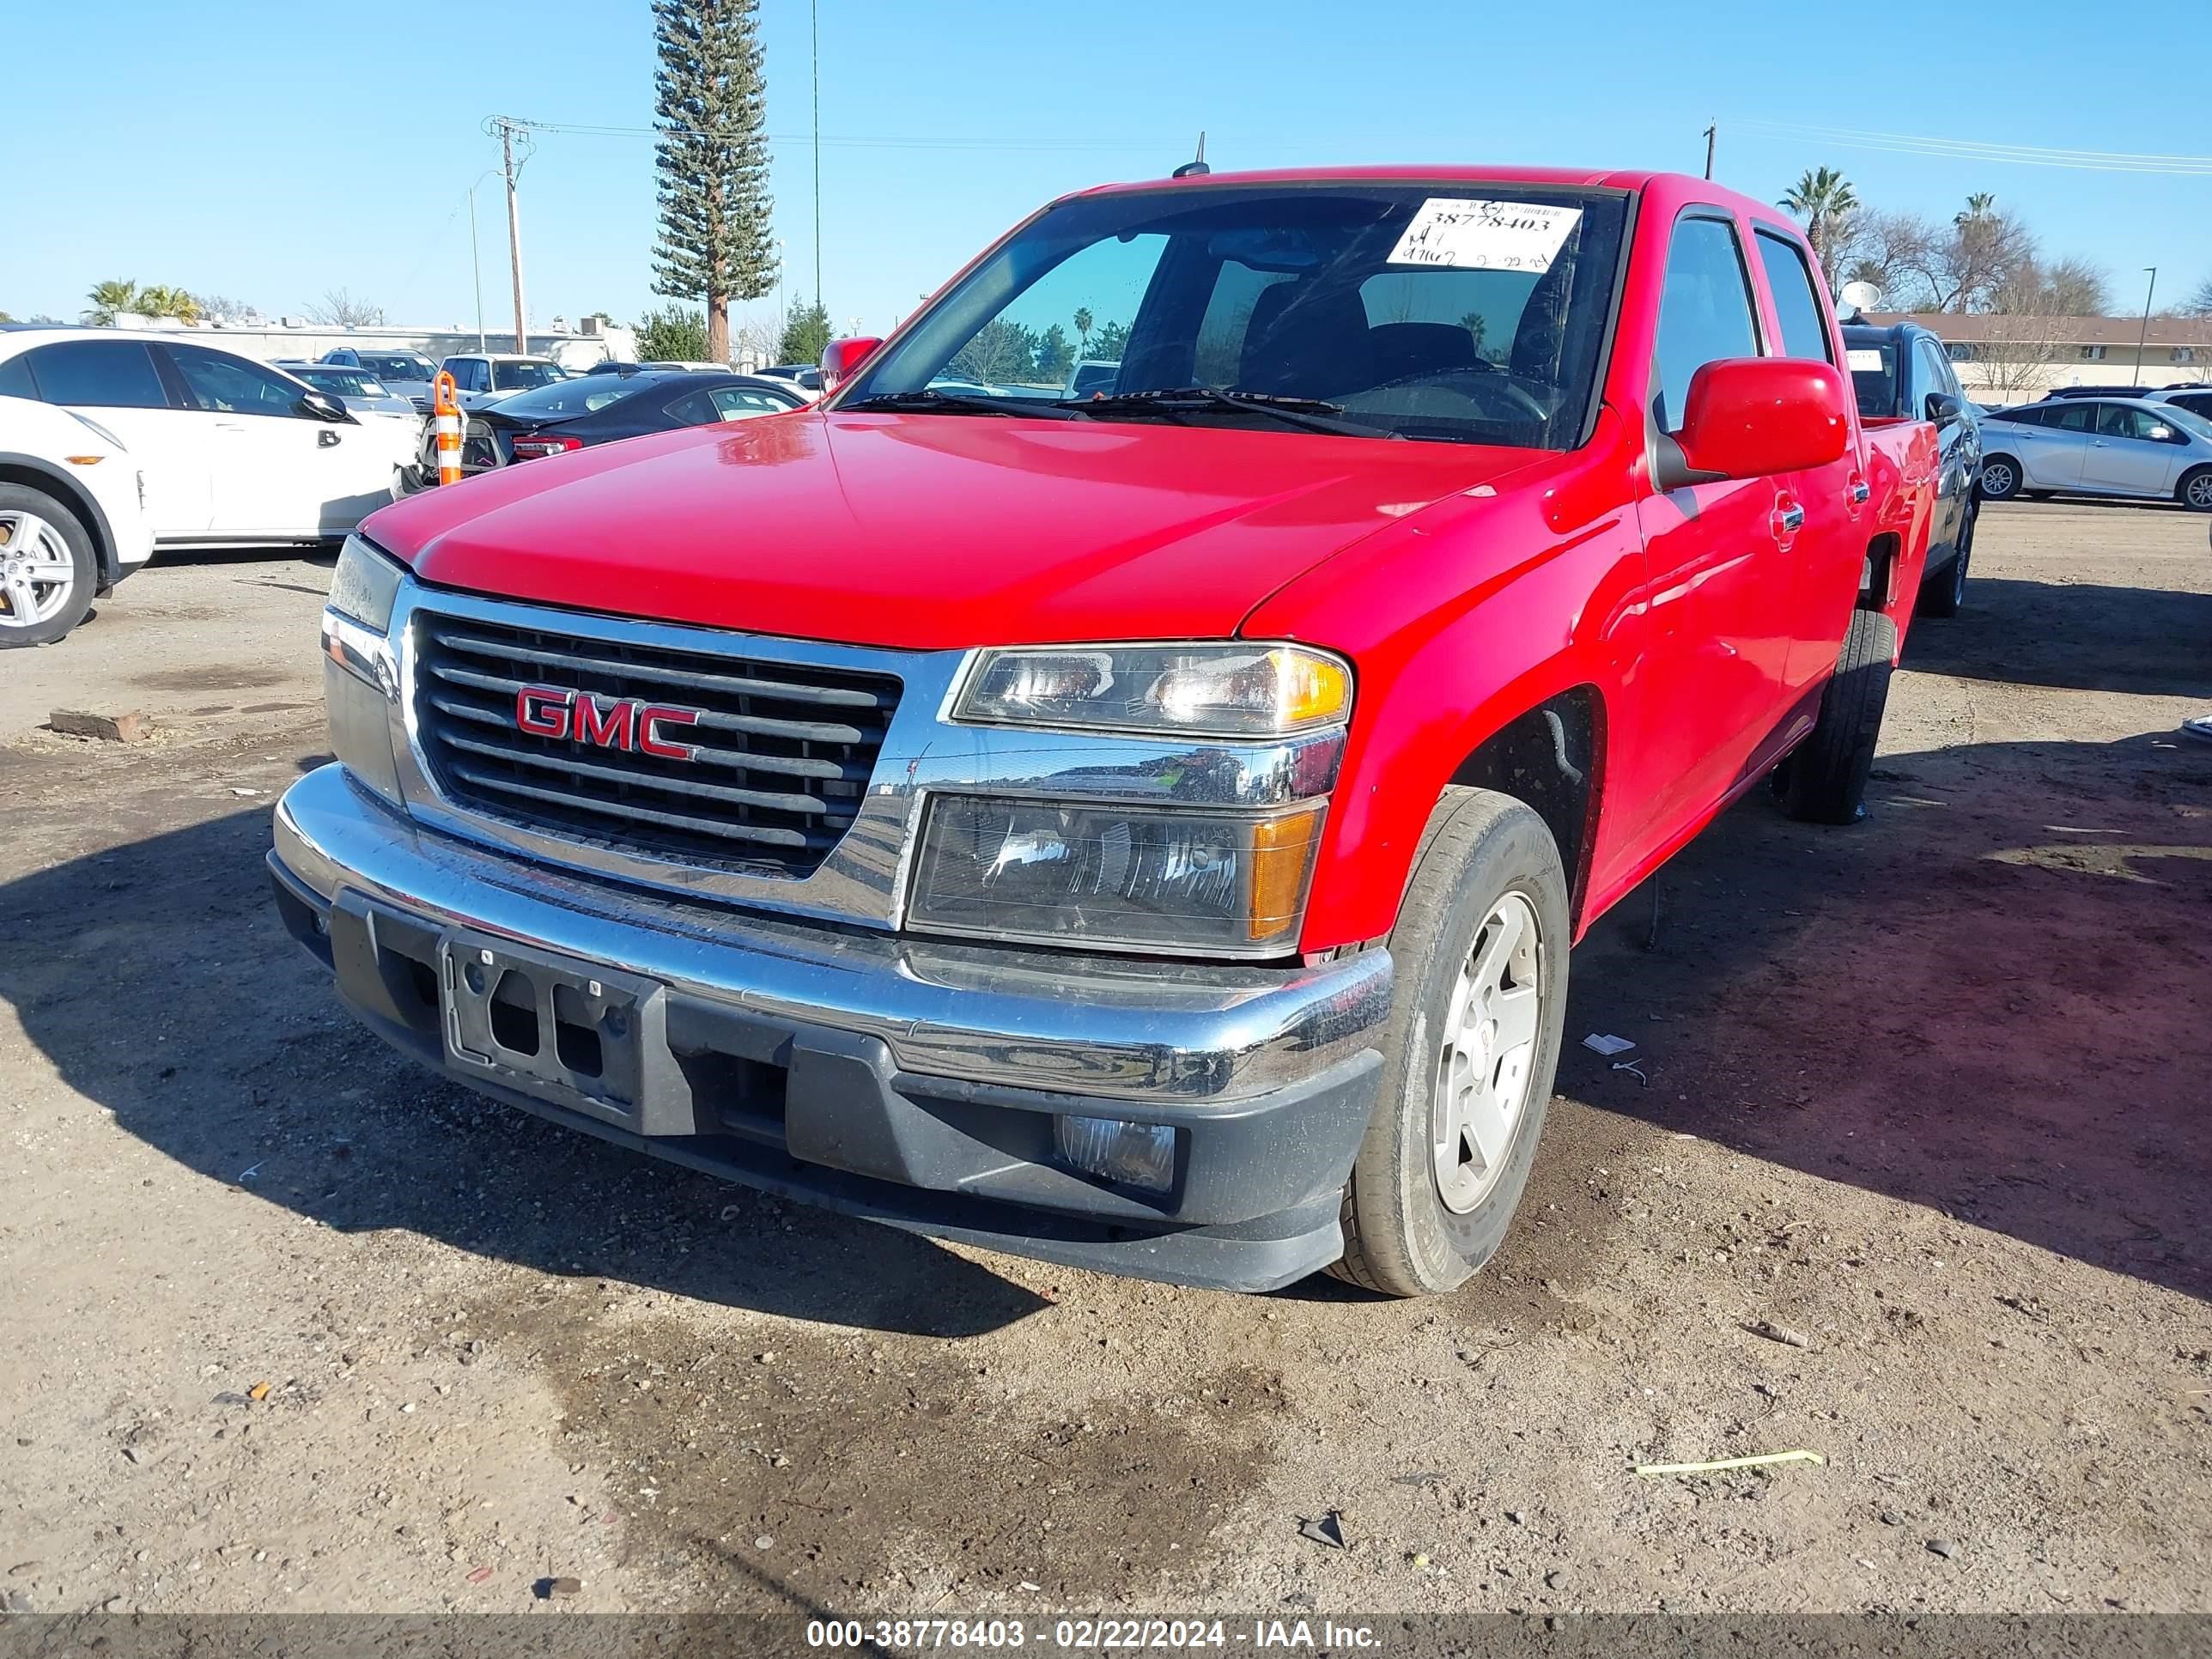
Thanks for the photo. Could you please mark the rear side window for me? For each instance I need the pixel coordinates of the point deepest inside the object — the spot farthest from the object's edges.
(1804, 329)
(1704, 313)
(97, 374)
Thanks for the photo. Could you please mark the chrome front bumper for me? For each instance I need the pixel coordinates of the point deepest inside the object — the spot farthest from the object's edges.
(915, 1078)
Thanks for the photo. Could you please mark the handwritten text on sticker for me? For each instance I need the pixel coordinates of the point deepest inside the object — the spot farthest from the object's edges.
(1471, 234)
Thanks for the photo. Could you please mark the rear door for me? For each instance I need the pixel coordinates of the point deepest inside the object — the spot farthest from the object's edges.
(1826, 551)
(2131, 452)
(116, 382)
(1719, 613)
(2054, 443)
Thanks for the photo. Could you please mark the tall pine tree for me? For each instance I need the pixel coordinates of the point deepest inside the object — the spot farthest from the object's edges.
(710, 102)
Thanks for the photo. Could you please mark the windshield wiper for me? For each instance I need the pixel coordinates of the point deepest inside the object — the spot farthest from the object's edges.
(1312, 414)
(927, 402)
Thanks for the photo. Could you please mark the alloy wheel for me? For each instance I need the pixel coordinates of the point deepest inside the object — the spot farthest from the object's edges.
(2200, 491)
(37, 572)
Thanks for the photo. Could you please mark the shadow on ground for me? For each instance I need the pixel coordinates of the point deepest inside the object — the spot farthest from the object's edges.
(2150, 642)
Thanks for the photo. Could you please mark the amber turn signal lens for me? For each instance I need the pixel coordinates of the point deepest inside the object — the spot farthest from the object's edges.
(1282, 858)
(1312, 688)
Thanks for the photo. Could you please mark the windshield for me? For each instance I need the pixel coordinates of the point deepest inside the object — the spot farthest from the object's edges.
(341, 382)
(1461, 312)
(521, 377)
(564, 399)
(397, 366)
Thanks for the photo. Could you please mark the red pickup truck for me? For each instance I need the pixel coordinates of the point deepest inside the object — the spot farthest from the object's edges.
(1143, 828)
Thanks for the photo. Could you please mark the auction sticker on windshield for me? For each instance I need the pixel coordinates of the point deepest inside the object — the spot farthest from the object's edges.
(1471, 234)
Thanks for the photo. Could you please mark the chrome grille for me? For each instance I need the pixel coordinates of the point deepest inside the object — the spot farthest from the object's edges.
(784, 751)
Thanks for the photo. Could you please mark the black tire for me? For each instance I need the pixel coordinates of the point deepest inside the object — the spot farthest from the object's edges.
(1480, 850)
(2195, 489)
(1942, 594)
(20, 507)
(1823, 781)
(2001, 478)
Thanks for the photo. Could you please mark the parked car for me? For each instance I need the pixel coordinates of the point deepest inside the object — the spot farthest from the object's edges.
(71, 524)
(598, 409)
(2098, 446)
(479, 378)
(403, 373)
(2196, 399)
(1093, 374)
(360, 390)
(1143, 832)
(235, 452)
(807, 376)
(1902, 377)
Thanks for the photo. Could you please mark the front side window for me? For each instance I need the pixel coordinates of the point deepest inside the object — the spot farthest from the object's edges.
(1704, 310)
(1464, 313)
(1804, 329)
(1932, 375)
(97, 374)
(224, 385)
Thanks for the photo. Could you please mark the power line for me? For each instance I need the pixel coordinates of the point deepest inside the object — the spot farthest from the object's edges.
(1972, 149)
(836, 140)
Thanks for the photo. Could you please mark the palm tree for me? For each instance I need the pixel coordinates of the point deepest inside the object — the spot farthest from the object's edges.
(158, 300)
(1978, 206)
(1083, 321)
(110, 297)
(1825, 200)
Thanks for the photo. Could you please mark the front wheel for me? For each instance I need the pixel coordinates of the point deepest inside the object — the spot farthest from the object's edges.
(2195, 490)
(1480, 950)
(47, 573)
(2001, 478)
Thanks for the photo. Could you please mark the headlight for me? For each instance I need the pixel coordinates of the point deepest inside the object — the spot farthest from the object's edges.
(365, 585)
(1224, 691)
(1139, 878)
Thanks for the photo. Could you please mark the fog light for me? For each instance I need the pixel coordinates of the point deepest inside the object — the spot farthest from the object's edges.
(1133, 1154)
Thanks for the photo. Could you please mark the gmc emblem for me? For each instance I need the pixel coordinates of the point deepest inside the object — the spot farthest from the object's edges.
(547, 711)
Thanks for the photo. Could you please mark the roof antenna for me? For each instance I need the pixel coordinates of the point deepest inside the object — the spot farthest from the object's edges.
(1196, 169)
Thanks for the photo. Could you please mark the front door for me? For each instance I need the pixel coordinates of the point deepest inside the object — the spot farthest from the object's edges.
(280, 473)
(2132, 452)
(1718, 565)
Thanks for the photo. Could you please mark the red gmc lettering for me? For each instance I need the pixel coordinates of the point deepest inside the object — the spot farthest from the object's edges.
(541, 713)
(650, 719)
(610, 726)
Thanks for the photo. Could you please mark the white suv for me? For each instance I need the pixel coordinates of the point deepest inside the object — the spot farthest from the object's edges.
(236, 453)
(71, 524)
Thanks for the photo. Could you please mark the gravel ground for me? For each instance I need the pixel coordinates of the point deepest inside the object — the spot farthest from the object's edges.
(291, 1325)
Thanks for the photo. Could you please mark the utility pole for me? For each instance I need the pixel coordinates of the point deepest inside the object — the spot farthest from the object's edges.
(2143, 333)
(507, 126)
(1711, 132)
(814, 13)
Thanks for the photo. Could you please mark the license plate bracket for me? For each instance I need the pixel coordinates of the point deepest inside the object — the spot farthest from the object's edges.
(567, 1032)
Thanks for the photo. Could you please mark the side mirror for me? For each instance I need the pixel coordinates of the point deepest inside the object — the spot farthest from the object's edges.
(320, 406)
(1943, 408)
(1751, 417)
(841, 357)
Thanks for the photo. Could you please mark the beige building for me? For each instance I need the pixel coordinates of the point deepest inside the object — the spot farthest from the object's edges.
(2015, 359)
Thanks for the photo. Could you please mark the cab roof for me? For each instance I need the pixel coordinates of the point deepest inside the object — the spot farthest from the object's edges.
(1630, 179)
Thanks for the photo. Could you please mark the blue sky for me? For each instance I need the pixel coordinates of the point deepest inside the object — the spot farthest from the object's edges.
(269, 152)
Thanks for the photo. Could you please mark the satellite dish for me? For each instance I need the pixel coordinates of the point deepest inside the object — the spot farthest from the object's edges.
(1860, 296)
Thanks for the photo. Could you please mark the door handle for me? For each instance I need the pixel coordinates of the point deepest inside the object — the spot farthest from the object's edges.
(1860, 492)
(327, 439)
(1791, 518)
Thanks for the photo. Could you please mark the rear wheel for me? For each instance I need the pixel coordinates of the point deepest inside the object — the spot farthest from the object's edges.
(2195, 490)
(47, 572)
(1825, 778)
(1944, 592)
(2001, 478)
(1482, 955)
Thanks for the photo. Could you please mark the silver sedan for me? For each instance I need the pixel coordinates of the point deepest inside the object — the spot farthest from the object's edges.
(2098, 447)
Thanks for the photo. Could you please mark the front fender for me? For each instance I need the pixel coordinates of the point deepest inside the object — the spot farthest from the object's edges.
(1456, 620)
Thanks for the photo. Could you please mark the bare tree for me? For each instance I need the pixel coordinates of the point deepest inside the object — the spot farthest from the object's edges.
(1891, 250)
(2199, 303)
(339, 309)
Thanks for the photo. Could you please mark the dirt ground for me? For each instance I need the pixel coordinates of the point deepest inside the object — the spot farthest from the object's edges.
(289, 1325)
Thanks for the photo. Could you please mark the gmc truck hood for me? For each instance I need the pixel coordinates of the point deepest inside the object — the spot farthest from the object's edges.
(928, 531)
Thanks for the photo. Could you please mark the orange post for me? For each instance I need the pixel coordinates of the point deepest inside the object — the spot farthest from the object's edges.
(446, 421)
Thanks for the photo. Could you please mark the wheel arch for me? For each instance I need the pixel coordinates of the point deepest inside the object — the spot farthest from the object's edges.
(34, 473)
(1551, 756)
